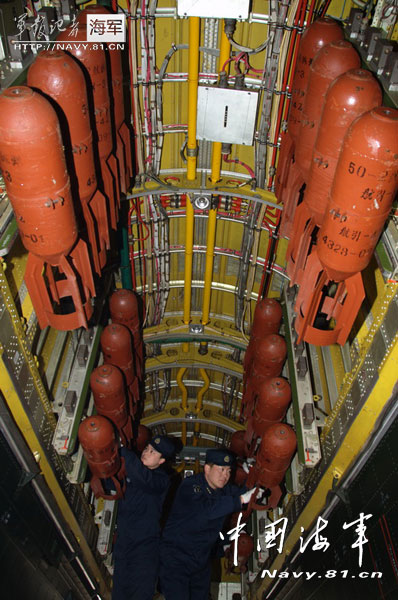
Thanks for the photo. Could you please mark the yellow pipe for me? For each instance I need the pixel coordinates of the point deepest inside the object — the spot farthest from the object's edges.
(211, 238)
(187, 303)
(193, 78)
(199, 401)
(180, 375)
(225, 49)
(182, 387)
(202, 390)
(216, 162)
(189, 228)
(184, 433)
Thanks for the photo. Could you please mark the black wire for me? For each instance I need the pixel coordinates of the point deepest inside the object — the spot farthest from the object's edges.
(275, 237)
(324, 8)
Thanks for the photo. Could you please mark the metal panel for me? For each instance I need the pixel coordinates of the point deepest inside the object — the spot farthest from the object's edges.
(75, 376)
(308, 444)
(389, 325)
(222, 9)
(226, 115)
(105, 517)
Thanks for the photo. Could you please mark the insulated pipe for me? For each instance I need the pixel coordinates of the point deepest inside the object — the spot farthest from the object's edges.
(187, 299)
(202, 390)
(193, 78)
(189, 229)
(211, 236)
(199, 401)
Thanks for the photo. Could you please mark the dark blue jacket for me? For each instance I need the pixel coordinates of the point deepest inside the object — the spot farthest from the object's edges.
(195, 521)
(140, 510)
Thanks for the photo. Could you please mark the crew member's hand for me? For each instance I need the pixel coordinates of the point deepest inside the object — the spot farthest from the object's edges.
(261, 497)
(246, 497)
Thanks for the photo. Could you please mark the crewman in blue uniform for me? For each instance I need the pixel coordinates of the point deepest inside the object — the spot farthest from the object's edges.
(201, 504)
(136, 554)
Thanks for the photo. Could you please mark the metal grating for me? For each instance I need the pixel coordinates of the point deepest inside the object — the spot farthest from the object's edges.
(24, 385)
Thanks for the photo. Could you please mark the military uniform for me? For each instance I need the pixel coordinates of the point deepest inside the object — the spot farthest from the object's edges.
(191, 533)
(136, 551)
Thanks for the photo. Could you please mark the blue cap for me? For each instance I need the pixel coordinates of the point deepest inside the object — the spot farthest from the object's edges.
(164, 445)
(220, 457)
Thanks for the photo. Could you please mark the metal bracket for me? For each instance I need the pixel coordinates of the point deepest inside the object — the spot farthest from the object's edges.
(196, 328)
(26, 477)
(202, 201)
(192, 151)
(215, 201)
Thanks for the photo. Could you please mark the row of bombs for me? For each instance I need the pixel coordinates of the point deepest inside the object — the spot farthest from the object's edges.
(267, 441)
(66, 158)
(342, 146)
(116, 391)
